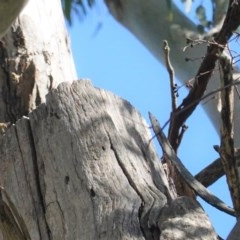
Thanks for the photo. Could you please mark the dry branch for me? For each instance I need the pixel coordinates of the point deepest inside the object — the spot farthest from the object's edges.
(214, 170)
(211, 173)
(187, 176)
(170, 70)
(205, 71)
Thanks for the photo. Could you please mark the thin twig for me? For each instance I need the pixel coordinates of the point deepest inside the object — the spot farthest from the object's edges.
(235, 83)
(230, 24)
(170, 70)
(195, 42)
(173, 85)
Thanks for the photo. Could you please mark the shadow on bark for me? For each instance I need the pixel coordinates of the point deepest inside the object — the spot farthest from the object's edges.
(81, 167)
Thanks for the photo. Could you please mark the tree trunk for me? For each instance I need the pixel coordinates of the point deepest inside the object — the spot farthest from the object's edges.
(83, 166)
(35, 57)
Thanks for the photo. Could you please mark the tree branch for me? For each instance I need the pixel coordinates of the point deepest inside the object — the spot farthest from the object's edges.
(205, 71)
(170, 70)
(214, 171)
(211, 173)
(190, 180)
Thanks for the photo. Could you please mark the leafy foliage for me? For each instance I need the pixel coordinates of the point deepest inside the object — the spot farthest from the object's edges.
(188, 4)
(202, 18)
(78, 6)
(200, 13)
(169, 6)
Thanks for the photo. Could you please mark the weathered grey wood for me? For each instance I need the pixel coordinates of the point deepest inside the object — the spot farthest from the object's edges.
(82, 167)
(185, 219)
(198, 188)
(19, 176)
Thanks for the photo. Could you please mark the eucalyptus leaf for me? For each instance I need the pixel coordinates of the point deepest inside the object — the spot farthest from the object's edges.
(201, 13)
(78, 6)
(170, 13)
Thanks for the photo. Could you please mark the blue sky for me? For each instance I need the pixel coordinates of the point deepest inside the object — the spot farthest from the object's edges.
(113, 59)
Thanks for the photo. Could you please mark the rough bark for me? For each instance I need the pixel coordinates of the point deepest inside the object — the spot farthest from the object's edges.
(82, 166)
(35, 57)
(177, 221)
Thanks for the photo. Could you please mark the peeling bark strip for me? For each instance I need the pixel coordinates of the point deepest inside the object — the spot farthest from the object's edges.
(187, 176)
(226, 150)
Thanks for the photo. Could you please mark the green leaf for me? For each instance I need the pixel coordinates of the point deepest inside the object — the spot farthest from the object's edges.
(201, 14)
(67, 6)
(78, 6)
(170, 12)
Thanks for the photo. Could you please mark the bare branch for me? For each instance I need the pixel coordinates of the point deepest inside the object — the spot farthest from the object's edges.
(187, 176)
(211, 173)
(206, 96)
(214, 171)
(170, 70)
(205, 71)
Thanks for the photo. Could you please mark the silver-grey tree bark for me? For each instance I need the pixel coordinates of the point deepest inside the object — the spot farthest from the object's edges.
(35, 58)
(82, 166)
